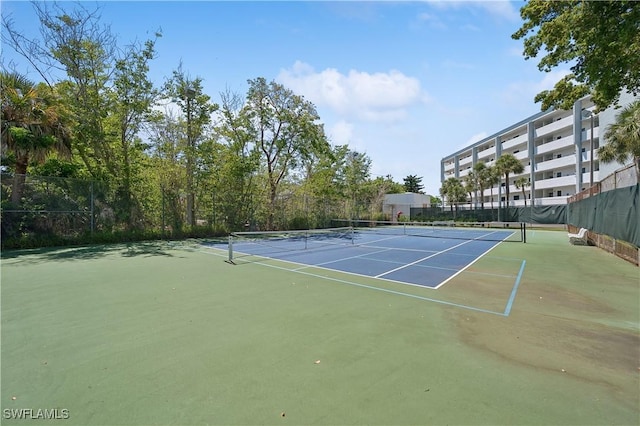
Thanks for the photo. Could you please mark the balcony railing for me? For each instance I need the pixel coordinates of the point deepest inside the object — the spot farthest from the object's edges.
(555, 145)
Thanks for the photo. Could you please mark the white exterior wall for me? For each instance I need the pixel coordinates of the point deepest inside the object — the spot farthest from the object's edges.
(554, 148)
(394, 203)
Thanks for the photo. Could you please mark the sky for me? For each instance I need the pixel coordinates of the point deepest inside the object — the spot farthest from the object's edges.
(407, 83)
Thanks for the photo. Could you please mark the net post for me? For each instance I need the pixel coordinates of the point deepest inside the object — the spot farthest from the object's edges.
(230, 259)
(524, 232)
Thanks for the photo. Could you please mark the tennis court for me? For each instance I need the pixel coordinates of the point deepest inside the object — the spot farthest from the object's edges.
(409, 253)
(171, 333)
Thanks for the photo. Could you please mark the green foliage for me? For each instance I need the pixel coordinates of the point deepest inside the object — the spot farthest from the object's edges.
(600, 39)
(506, 165)
(522, 183)
(122, 170)
(413, 183)
(453, 190)
(623, 138)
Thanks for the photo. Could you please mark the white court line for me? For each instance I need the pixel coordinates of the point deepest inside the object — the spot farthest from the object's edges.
(420, 260)
(346, 258)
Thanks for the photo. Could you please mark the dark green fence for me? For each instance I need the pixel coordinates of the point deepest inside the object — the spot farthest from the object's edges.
(615, 213)
(530, 214)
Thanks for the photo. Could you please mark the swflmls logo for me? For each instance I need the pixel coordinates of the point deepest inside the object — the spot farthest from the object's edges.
(35, 414)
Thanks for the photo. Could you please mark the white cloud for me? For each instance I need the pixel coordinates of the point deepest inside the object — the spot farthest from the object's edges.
(429, 20)
(520, 91)
(357, 94)
(499, 9)
(475, 138)
(341, 133)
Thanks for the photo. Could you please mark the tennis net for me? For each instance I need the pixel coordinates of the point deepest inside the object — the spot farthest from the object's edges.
(266, 243)
(483, 231)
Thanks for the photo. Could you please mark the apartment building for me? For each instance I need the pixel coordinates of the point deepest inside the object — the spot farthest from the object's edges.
(557, 148)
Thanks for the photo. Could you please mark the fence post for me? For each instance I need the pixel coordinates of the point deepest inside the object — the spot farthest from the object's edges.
(163, 217)
(92, 209)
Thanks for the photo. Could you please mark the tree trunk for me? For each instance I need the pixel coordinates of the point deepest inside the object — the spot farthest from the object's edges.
(19, 179)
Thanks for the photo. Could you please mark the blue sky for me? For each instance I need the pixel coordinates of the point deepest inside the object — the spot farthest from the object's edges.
(405, 82)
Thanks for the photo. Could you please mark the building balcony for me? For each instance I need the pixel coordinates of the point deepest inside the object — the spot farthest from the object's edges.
(550, 201)
(556, 163)
(586, 133)
(554, 145)
(465, 161)
(556, 182)
(521, 155)
(586, 178)
(487, 153)
(556, 126)
(512, 143)
(464, 172)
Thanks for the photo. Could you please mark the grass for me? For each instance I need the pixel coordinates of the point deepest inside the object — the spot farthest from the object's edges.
(168, 333)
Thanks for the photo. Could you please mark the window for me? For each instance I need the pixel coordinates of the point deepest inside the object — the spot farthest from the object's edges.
(559, 193)
(584, 170)
(559, 137)
(516, 151)
(516, 197)
(502, 184)
(584, 149)
(559, 174)
(559, 156)
(551, 194)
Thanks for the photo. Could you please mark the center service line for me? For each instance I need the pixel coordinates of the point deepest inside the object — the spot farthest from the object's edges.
(420, 260)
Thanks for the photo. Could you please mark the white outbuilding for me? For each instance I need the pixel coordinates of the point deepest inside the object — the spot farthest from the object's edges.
(399, 205)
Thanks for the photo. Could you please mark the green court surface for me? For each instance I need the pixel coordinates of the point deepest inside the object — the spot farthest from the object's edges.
(169, 333)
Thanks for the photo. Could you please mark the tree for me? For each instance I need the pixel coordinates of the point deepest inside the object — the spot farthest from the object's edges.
(196, 108)
(623, 138)
(165, 134)
(601, 39)
(435, 201)
(522, 183)
(493, 178)
(470, 182)
(34, 124)
(505, 165)
(413, 183)
(132, 99)
(378, 188)
(355, 173)
(482, 173)
(107, 91)
(454, 191)
(236, 163)
(285, 128)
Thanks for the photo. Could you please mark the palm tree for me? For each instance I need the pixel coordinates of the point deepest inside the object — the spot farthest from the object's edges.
(493, 178)
(454, 191)
(471, 185)
(481, 171)
(507, 164)
(521, 183)
(33, 126)
(623, 138)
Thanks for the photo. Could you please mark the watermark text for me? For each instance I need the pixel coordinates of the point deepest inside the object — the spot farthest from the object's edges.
(35, 413)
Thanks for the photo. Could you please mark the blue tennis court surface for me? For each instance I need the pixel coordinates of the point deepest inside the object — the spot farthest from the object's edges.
(407, 259)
